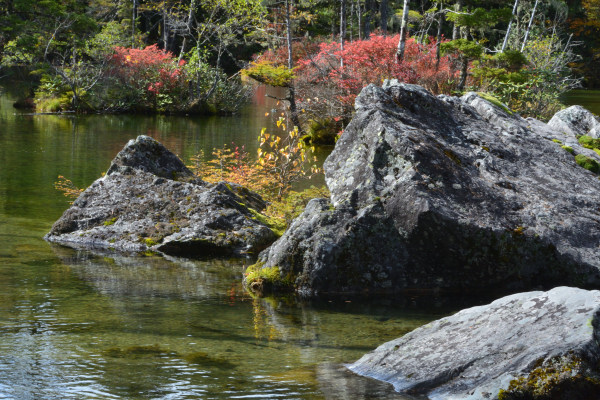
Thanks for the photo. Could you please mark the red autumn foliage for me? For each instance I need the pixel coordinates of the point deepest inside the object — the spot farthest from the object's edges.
(301, 49)
(371, 61)
(151, 70)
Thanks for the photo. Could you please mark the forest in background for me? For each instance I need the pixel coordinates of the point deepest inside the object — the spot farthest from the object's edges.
(186, 56)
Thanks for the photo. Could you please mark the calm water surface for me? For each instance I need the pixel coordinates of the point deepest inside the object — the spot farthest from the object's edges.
(589, 99)
(83, 325)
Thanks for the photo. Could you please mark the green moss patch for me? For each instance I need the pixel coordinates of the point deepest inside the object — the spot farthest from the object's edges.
(267, 280)
(568, 149)
(588, 163)
(277, 225)
(495, 101)
(589, 142)
(560, 378)
(110, 221)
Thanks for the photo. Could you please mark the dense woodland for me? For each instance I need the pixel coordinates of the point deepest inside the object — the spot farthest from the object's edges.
(191, 56)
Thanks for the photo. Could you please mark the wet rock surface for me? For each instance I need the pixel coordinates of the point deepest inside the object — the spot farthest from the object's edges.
(534, 345)
(149, 201)
(447, 193)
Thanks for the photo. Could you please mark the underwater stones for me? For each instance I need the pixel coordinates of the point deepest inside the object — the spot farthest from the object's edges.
(534, 345)
(444, 193)
(576, 121)
(149, 200)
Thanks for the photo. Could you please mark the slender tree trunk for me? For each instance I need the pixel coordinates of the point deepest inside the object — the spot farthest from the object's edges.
(463, 74)
(383, 10)
(403, 29)
(290, 61)
(360, 22)
(456, 28)
(509, 25)
(438, 43)
(342, 28)
(165, 31)
(529, 26)
(133, 18)
(367, 22)
(188, 25)
(351, 20)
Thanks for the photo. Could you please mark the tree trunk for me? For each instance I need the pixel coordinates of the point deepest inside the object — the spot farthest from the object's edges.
(360, 22)
(342, 28)
(133, 18)
(351, 20)
(367, 27)
(188, 26)
(529, 26)
(438, 43)
(509, 26)
(463, 74)
(456, 28)
(383, 10)
(403, 29)
(290, 61)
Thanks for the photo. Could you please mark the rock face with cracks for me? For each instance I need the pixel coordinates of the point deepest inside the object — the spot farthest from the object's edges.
(149, 200)
(534, 345)
(446, 193)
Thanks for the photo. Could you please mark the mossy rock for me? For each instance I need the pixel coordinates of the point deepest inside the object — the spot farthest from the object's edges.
(277, 225)
(561, 378)
(261, 280)
(589, 142)
(569, 149)
(588, 163)
(495, 101)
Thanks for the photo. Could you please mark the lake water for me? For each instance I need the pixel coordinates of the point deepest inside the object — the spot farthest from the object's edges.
(590, 99)
(85, 325)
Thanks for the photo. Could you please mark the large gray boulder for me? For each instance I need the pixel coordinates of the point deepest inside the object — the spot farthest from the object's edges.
(576, 121)
(535, 345)
(448, 193)
(149, 200)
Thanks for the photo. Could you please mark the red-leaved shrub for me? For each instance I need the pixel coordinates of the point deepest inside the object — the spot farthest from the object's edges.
(329, 81)
(148, 73)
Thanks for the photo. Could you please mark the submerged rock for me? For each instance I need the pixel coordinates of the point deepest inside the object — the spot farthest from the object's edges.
(535, 345)
(443, 193)
(149, 200)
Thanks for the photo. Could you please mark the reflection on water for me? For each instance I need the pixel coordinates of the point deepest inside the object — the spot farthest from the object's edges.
(589, 99)
(102, 325)
(76, 324)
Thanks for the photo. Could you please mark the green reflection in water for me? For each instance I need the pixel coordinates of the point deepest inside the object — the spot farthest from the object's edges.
(589, 99)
